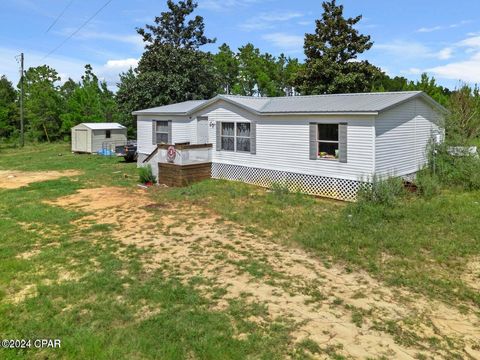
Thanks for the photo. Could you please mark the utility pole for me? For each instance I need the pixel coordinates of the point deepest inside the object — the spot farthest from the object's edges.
(22, 136)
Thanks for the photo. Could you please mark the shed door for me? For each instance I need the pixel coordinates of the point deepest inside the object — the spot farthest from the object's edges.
(202, 130)
(81, 137)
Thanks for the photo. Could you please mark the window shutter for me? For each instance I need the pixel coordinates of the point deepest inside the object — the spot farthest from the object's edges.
(154, 132)
(170, 140)
(342, 142)
(253, 137)
(218, 139)
(313, 141)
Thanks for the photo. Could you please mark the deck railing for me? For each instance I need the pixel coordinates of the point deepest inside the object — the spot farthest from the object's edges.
(182, 154)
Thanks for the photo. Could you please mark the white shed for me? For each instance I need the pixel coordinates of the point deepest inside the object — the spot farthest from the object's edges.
(92, 137)
(324, 145)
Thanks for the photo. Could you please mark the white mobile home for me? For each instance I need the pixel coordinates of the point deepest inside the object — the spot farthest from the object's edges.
(323, 145)
(92, 137)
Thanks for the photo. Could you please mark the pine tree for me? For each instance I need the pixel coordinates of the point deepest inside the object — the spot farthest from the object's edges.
(89, 101)
(227, 68)
(43, 103)
(331, 55)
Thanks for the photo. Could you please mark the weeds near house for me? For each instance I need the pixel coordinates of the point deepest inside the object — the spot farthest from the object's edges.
(457, 171)
(447, 171)
(381, 191)
(145, 175)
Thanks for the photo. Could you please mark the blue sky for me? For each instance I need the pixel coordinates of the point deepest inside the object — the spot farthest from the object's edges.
(411, 36)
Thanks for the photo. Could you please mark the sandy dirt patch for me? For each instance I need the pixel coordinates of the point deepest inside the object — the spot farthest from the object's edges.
(13, 179)
(352, 313)
(472, 274)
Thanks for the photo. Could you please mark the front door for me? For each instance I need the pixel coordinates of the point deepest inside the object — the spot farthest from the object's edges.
(202, 130)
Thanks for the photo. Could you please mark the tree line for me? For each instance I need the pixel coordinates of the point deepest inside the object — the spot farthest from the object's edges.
(174, 68)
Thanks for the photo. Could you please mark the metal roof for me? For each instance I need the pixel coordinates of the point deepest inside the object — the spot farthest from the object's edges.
(103, 126)
(178, 108)
(362, 103)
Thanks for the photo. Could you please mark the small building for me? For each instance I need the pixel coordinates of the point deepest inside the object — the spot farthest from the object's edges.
(324, 145)
(92, 137)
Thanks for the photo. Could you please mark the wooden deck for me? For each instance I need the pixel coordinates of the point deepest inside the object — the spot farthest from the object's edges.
(183, 175)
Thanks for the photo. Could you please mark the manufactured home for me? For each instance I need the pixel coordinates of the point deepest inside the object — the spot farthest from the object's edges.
(94, 137)
(324, 145)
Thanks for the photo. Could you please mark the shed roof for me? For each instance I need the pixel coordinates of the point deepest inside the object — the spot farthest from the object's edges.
(103, 126)
(362, 103)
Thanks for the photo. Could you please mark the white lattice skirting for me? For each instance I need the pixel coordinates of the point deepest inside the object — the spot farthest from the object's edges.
(334, 188)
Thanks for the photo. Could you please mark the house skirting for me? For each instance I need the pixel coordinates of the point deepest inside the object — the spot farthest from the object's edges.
(335, 188)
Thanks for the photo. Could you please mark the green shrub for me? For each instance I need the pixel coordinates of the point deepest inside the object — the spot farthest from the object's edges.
(384, 191)
(458, 171)
(428, 184)
(146, 175)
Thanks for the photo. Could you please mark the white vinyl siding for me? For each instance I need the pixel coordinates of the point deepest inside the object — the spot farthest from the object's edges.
(183, 130)
(402, 137)
(282, 143)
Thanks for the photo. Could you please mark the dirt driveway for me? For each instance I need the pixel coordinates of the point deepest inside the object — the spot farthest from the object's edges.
(13, 179)
(349, 312)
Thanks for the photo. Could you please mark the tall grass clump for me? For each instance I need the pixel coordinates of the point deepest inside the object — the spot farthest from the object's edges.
(145, 175)
(428, 185)
(457, 171)
(445, 170)
(381, 191)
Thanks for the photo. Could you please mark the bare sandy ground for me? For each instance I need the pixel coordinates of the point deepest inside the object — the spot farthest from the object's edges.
(13, 179)
(350, 312)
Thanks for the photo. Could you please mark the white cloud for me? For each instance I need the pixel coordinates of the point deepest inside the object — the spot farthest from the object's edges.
(222, 5)
(445, 54)
(112, 68)
(287, 42)
(470, 42)
(123, 64)
(404, 49)
(466, 70)
(66, 67)
(268, 20)
(414, 50)
(135, 40)
(412, 71)
(443, 27)
(430, 29)
(306, 23)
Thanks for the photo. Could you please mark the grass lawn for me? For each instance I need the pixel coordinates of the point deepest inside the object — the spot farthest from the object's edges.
(86, 315)
(80, 285)
(421, 244)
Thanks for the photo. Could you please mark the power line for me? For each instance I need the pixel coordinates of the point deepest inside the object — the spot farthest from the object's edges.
(78, 30)
(20, 59)
(59, 16)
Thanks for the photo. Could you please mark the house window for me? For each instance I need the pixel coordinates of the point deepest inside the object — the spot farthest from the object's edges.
(228, 136)
(108, 134)
(161, 131)
(235, 137)
(328, 141)
(243, 137)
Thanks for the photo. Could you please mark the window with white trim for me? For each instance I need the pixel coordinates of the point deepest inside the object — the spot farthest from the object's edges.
(235, 136)
(328, 144)
(161, 132)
